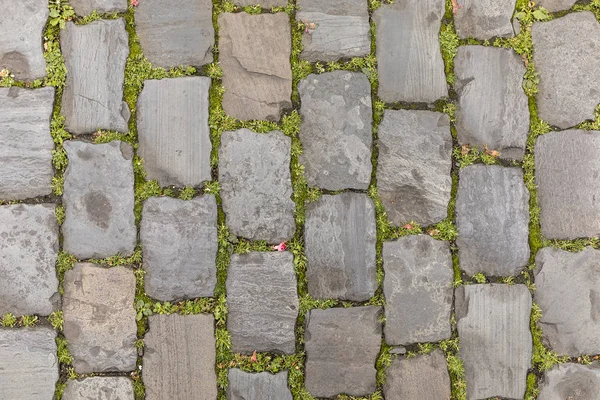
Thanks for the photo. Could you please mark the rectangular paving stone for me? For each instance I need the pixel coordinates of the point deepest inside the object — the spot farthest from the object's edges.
(261, 386)
(99, 388)
(571, 381)
(484, 19)
(85, 7)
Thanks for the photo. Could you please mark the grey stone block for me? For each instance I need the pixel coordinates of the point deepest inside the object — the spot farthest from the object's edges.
(336, 131)
(28, 254)
(339, 237)
(95, 56)
(85, 7)
(264, 3)
(484, 19)
(98, 198)
(261, 386)
(556, 5)
(99, 388)
(571, 382)
(413, 172)
(179, 358)
(495, 341)
(492, 217)
(256, 185)
(172, 122)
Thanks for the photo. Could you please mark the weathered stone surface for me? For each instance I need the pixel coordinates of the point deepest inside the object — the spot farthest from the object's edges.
(263, 302)
(342, 345)
(95, 56)
(339, 239)
(492, 217)
(25, 142)
(174, 33)
(493, 109)
(254, 52)
(28, 254)
(256, 185)
(415, 159)
(99, 388)
(341, 29)
(495, 341)
(556, 5)
(21, 30)
(99, 318)
(484, 19)
(418, 290)
(172, 122)
(336, 131)
(264, 3)
(571, 381)
(85, 7)
(28, 363)
(98, 199)
(410, 63)
(567, 62)
(179, 358)
(567, 170)
(261, 386)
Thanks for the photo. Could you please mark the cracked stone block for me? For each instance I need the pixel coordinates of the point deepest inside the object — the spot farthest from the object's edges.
(256, 185)
(493, 110)
(484, 19)
(98, 198)
(28, 363)
(424, 377)
(174, 137)
(571, 382)
(254, 52)
(21, 30)
(99, 388)
(95, 56)
(415, 159)
(492, 217)
(336, 130)
(418, 290)
(85, 7)
(495, 341)
(556, 5)
(567, 63)
(25, 142)
(179, 357)
(410, 63)
(174, 33)
(28, 254)
(336, 29)
(342, 345)
(263, 302)
(99, 317)
(261, 386)
(339, 237)
(263, 3)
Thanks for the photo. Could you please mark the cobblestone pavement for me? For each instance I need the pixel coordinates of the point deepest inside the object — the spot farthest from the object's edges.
(341, 199)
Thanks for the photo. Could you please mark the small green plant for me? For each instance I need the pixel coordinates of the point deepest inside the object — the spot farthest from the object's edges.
(60, 13)
(56, 320)
(479, 278)
(9, 320)
(143, 309)
(187, 193)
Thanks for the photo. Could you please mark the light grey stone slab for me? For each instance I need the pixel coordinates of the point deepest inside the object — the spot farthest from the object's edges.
(99, 388)
(484, 19)
(556, 5)
(571, 381)
(264, 3)
(261, 386)
(85, 7)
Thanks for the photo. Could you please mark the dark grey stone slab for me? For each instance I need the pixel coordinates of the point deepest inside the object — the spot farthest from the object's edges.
(85, 7)
(336, 131)
(254, 52)
(493, 109)
(28, 254)
(256, 185)
(173, 132)
(98, 198)
(174, 32)
(484, 19)
(264, 3)
(556, 5)
(99, 388)
(99, 318)
(495, 341)
(413, 171)
(179, 358)
(261, 386)
(410, 63)
(95, 56)
(339, 239)
(571, 382)
(567, 62)
(492, 217)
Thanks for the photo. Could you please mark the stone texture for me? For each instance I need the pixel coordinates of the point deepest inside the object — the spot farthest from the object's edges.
(484, 19)
(256, 185)
(99, 318)
(571, 382)
(410, 63)
(556, 5)
(99, 388)
(492, 217)
(179, 358)
(28, 363)
(264, 3)
(567, 170)
(85, 7)
(336, 131)
(174, 32)
(95, 56)
(174, 137)
(25, 142)
(98, 198)
(495, 341)
(567, 63)
(261, 386)
(493, 109)
(413, 171)
(418, 290)
(254, 52)
(339, 239)
(341, 29)
(28, 254)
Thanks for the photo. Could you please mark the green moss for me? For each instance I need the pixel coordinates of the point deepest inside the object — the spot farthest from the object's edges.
(449, 46)
(532, 390)
(456, 368)
(542, 359)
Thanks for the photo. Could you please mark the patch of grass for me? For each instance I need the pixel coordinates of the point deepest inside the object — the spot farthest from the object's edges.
(456, 368)
(60, 13)
(542, 359)
(479, 278)
(56, 320)
(9, 320)
(532, 391)
(449, 43)
(60, 214)
(187, 193)
(64, 355)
